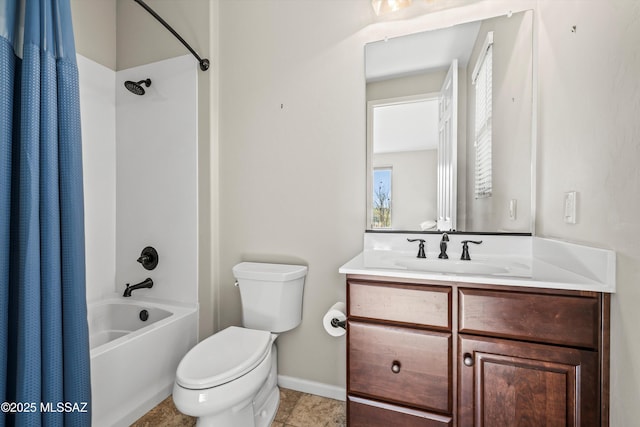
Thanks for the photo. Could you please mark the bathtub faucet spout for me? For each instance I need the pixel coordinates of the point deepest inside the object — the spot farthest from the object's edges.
(147, 283)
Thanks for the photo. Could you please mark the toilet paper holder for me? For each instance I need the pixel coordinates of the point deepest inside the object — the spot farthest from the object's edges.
(336, 323)
(334, 320)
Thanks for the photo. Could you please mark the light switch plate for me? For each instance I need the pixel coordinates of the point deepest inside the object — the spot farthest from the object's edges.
(570, 206)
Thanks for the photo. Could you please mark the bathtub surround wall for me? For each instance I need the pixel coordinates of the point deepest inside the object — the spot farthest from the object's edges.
(156, 179)
(141, 190)
(94, 27)
(98, 112)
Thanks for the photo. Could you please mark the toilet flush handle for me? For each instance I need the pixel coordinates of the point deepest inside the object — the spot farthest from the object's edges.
(235, 283)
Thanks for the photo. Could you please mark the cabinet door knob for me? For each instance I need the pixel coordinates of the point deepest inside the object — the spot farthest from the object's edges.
(468, 360)
(395, 367)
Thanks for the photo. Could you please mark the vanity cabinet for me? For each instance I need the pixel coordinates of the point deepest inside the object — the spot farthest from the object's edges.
(424, 353)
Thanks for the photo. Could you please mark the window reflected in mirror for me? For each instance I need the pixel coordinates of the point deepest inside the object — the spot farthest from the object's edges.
(482, 81)
(381, 196)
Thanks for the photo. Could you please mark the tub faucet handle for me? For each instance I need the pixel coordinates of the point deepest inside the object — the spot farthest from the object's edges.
(148, 258)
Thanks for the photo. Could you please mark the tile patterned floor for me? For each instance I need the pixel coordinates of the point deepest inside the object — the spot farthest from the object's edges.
(296, 409)
(307, 410)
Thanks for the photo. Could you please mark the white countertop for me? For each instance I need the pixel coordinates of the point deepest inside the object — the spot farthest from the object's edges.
(552, 265)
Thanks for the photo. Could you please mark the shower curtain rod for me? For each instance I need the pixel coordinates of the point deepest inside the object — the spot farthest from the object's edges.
(204, 62)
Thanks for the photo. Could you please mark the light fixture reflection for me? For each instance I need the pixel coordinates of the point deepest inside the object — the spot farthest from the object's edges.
(382, 7)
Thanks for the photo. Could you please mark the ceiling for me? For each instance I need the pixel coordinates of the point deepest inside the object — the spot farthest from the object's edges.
(414, 53)
(407, 126)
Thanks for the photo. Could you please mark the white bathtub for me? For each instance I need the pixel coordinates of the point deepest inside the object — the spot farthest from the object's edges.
(133, 362)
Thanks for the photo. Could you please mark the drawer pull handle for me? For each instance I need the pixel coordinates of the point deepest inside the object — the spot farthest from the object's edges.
(468, 360)
(395, 367)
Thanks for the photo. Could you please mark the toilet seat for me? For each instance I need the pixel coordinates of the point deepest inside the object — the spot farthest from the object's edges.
(223, 357)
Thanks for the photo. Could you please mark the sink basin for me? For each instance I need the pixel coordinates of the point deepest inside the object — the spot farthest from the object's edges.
(451, 266)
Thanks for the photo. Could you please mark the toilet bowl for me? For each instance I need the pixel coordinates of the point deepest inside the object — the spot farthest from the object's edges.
(230, 378)
(218, 380)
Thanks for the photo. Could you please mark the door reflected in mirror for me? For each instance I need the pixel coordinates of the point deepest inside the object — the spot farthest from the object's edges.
(449, 128)
(404, 160)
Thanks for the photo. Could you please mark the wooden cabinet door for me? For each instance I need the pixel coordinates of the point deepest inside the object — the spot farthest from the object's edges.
(511, 383)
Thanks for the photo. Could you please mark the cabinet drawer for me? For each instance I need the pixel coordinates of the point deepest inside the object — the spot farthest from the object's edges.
(419, 305)
(557, 319)
(422, 360)
(368, 413)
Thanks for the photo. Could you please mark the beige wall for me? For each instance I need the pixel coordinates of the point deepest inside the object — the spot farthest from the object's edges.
(141, 39)
(511, 126)
(590, 142)
(413, 186)
(292, 179)
(416, 84)
(94, 25)
(292, 149)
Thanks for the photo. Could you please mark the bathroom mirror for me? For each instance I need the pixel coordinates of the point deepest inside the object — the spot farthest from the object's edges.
(449, 128)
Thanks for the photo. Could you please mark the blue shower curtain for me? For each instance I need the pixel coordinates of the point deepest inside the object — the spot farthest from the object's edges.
(44, 343)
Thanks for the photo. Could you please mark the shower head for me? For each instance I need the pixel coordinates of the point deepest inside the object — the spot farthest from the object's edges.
(136, 87)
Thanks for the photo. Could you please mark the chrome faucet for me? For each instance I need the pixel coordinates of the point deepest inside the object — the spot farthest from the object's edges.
(443, 246)
(147, 283)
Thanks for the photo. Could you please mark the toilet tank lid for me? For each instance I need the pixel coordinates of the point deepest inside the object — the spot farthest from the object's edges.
(270, 272)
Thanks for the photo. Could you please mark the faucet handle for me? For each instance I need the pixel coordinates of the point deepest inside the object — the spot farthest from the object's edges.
(148, 258)
(420, 247)
(465, 249)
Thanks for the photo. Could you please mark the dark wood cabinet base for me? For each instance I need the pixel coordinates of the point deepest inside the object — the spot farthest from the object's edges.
(424, 353)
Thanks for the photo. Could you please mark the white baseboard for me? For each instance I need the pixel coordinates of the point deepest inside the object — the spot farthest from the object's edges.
(312, 387)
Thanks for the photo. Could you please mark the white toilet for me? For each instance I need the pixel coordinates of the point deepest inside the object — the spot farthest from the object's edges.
(230, 379)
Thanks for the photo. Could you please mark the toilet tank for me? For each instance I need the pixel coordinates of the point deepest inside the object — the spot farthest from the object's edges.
(271, 295)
